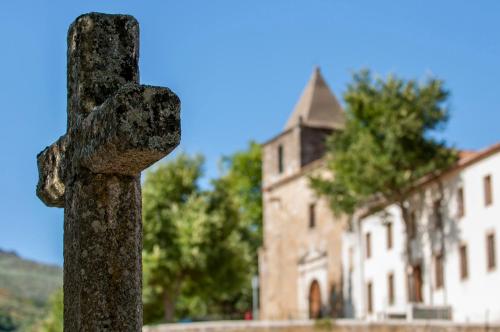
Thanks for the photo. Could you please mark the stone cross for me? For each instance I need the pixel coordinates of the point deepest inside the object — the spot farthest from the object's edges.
(116, 128)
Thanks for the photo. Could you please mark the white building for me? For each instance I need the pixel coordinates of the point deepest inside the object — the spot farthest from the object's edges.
(454, 269)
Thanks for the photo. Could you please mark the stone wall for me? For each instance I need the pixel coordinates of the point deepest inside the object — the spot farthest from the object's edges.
(290, 144)
(325, 326)
(294, 254)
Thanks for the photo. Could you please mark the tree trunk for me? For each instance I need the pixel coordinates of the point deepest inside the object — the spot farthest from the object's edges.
(168, 307)
(443, 240)
(405, 213)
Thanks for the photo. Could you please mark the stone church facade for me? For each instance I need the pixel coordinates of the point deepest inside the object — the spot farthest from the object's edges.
(300, 267)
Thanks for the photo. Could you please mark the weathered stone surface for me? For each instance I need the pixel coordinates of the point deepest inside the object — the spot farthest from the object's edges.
(102, 254)
(116, 128)
(129, 131)
(50, 187)
(103, 55)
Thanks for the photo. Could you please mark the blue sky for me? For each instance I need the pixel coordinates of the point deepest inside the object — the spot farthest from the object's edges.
(238, 67)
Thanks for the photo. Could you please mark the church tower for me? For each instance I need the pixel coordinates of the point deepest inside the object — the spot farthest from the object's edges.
(299, 263)
(316, 115)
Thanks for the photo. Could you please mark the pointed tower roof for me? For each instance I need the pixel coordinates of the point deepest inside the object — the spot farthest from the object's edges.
(317, 107)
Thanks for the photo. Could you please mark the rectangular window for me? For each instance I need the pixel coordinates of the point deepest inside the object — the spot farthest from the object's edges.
(412, 226)
(488, 193)
(389, 235)
(438, 269)
(312, 215)
(351, 259)
(280, 159)
(416, 294)
(368, 244)
(490, 240)
(460, 203)
(464, 266)
(438, 220)
(390, 288)
(369, 295)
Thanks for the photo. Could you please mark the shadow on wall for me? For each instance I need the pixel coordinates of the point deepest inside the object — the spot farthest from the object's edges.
(432, 224)
(440, 228)
(336, 301)
(348, 305)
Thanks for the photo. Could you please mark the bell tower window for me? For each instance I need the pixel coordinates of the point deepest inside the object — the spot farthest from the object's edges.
(280, 159)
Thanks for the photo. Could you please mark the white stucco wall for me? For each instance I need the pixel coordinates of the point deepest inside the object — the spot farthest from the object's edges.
(478, 297)
(382, 262)
(352, 276)
(475, 299)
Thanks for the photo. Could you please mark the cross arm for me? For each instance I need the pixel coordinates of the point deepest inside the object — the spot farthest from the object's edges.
(50, 187)
(130, 131)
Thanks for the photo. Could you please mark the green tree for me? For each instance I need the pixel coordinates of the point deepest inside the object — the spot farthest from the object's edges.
(242, 179)
(54, 320)
(387, 144)
(239, 187)
(193, 253)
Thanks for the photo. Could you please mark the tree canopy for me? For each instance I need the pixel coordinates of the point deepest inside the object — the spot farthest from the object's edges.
(242, 179)
(388, 142)
(239, 186)
(197, 257)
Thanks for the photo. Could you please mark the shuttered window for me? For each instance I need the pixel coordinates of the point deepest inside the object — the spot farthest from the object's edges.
(460, 203)
(368, 244)
(412, 225)
(490, 244)
(390, 288)
(488, 192)
(389, 235)
(439, 270)
(369, 295)
(464, 265)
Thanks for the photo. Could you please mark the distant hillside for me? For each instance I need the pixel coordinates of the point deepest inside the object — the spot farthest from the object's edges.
(25, 287)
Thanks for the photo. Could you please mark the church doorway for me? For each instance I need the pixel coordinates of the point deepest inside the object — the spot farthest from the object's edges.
(314, 300)
(417, 283)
